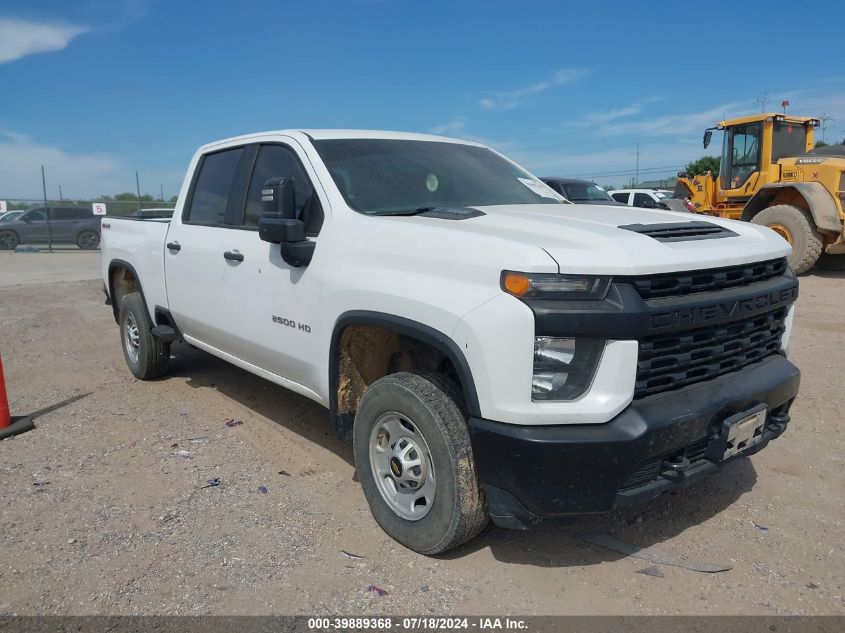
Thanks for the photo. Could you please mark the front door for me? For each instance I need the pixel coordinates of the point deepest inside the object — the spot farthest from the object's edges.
(273, 308)
(741, 156)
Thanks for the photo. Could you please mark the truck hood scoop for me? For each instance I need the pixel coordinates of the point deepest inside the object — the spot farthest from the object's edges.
(452, 213)
(681, 231)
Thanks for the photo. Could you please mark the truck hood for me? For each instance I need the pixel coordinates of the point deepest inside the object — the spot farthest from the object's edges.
(587, 239)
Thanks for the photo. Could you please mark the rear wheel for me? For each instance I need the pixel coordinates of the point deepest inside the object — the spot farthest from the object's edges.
(796, 227)
(145, 356)
(415, 463)
(9, 240)
(88, 240)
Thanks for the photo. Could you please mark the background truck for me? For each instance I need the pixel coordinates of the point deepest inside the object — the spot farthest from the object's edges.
(493, 350)
(770, 174)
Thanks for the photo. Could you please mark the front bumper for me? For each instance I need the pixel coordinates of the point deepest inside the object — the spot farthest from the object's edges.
(661, 442)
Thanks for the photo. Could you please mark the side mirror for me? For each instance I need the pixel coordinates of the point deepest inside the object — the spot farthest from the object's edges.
(279, 224)
(708, 134)
(279, 198)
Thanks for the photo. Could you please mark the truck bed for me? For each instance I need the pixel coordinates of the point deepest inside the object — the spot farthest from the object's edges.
(140, 243)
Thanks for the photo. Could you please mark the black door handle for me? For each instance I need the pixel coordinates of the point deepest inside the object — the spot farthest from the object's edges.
(233, 256)
(174, 246)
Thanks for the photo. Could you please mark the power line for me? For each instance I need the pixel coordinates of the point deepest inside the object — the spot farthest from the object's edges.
(642, 170)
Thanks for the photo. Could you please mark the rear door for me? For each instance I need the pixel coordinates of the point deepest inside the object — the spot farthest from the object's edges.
(271, 306)
(193, 253)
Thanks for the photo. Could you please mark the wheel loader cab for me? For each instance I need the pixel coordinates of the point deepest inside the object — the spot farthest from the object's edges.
(751, 149)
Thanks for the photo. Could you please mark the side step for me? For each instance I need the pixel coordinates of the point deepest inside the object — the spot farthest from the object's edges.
(165, 333)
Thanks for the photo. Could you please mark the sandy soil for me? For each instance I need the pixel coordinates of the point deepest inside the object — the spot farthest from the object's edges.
(100, 513)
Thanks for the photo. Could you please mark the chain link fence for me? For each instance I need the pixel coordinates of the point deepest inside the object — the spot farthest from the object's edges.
(32, 225)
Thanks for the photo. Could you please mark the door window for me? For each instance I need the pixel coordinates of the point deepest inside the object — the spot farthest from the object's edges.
(212, 187)
(644, 200)
(36, 215)
(744, 154)
(279, 161)
(620, 197)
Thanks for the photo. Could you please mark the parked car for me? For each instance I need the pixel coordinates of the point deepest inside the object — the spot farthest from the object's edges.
(10, 215)
(63, 225)
(644, 198)
(152, 213)
(580, 191)
(494, 351)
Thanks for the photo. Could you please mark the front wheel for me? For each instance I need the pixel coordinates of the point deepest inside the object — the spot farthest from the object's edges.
(415, 462)
(146, 357)
(88, 240)
(796, 227)
(9, 240)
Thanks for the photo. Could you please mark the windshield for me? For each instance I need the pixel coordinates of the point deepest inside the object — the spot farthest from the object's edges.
(398, 177)
(578, 191)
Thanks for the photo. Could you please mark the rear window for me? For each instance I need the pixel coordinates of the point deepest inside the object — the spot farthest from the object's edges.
(70, 214)
(212, 187)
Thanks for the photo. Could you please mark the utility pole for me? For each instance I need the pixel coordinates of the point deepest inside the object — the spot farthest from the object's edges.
(60, 193)
(763, 101)
(637, 171)
(161, 187)
(824, 119)
(46, 210)
(138, 187)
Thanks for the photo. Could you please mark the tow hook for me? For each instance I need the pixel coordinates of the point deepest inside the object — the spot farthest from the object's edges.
(675, 467)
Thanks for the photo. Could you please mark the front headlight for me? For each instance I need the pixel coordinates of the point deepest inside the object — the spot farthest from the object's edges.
(554, 286)
(564, 367)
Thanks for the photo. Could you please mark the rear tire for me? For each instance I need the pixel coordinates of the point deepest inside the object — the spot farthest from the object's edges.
(420, 416)
(146, 357)
(796, 227)
(9, 240)
(88, 240)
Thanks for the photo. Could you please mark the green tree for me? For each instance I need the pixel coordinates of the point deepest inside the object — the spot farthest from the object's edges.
(703, 165)
(820, 144)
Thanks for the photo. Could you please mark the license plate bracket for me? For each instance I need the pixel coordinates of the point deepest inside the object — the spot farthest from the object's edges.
(739, 433)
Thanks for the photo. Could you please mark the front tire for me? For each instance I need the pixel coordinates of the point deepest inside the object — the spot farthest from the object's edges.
(9, 240)
(146, 357)
(796, 227)
(88, 240)
(415, 463)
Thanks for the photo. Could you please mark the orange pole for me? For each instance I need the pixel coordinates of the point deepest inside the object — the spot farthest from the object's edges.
(5, 416)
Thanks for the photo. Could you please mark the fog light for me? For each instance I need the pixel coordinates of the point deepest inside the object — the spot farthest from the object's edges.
(564, 367)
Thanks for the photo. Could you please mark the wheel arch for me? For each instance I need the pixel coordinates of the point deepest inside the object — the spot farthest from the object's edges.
(811, 196)
(406, 329)
(124, 285)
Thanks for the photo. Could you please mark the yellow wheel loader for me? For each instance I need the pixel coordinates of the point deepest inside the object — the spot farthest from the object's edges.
(770, 174)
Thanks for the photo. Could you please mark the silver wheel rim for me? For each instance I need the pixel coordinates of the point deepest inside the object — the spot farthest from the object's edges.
(401, 465)
(131, 338)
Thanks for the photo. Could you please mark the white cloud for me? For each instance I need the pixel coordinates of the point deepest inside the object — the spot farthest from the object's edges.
(81, 175)
(456, 127)
(514, 98)
(19, 38)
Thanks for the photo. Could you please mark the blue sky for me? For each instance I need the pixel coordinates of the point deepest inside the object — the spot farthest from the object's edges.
(95, 90)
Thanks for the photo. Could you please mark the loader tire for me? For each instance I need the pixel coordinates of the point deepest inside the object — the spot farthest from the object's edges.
(796, 227)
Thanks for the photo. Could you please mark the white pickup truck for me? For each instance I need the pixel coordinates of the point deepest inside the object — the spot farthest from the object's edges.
(495, 351)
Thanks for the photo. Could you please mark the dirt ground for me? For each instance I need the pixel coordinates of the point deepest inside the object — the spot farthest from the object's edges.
(101, 514)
